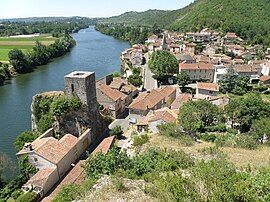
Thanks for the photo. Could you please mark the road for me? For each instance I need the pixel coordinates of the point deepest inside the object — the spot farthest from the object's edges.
(149, 82)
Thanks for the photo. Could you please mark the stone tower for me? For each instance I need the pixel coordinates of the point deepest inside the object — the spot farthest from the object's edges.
(82, 85)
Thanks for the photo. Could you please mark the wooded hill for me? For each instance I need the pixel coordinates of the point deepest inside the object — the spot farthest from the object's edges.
(250, 19)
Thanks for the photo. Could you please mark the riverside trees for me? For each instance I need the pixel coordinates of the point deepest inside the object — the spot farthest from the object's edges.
(40, 55)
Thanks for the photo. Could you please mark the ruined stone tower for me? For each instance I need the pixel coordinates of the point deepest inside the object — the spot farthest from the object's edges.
(83, 85)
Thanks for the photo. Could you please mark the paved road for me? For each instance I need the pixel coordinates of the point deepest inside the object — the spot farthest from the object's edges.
(149, 82)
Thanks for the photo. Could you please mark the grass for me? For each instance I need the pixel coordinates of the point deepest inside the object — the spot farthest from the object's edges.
(24, 44)
(242, 158)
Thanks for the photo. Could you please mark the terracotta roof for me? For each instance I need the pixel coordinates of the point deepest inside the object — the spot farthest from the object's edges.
(196, 66)
(54, 150)
(148, 100)
(202, 58)
(153, 37)
(246, 68)
(208, 86)
(264, 78)
(117, 83)
(112, 93)
(41, 177)
(180, 100)
(105, 145)
(165, 114)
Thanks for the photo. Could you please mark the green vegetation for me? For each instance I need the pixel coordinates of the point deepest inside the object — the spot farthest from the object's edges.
(55, 26)
(232, 83)
(162, 64)
(249, 19)
(40, 55)
(132, 34)
(4, 73)
(183, 79)
(24, 137)
(136, 78)
(117, 131)
(29, 197)
(139, 140)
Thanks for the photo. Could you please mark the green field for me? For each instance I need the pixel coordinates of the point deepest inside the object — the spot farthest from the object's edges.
(24, 44)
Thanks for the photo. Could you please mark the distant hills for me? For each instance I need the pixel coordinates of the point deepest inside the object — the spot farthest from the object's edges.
(250, 19)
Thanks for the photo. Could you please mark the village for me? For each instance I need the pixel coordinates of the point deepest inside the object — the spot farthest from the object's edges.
(138, 109)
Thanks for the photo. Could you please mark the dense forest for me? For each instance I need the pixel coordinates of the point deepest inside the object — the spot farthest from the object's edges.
(133, 34)
(47, 25)
(250, 19)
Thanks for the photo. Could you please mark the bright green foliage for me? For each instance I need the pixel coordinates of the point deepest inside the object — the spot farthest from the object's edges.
(196, 116)
(117, 131)
(62, 105)
(183, 79)
(27, 197)
(45, 123)
(163, 63)
(24, 137)
(153, 160)
(19, 61)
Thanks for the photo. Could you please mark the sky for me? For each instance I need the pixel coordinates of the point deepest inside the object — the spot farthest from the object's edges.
(85, 8)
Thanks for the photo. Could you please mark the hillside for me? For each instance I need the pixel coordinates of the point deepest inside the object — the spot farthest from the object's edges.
(250, 19)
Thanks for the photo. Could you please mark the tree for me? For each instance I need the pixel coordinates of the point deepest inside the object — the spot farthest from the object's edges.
(24, 137)
(260, 128)
(227, 82)
(163, 63)
(4, 164)
(232, 83)
(18, 60)
(196, 116)
(183, 79)
(245, 110)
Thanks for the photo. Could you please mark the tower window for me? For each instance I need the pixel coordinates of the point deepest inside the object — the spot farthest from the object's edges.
(72, 88)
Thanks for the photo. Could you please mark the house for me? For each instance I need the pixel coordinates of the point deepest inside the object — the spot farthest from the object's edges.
(265, 68)
(180, 100)
(152, 100)
(220, 71)
(198, 71)
(112, 100)
(132, 57)
(123, 86)
(190, 48)
(265, 79)
(202, 37)
(250, 71)
(236, 49)
(206, 90)
(230, 37)
(175, 48)
(53, 158)
(158, 117)
(185, 58)
(152, 39)
(202, 59)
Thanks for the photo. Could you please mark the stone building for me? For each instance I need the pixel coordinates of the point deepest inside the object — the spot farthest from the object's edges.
(206, 90)
(82, 85)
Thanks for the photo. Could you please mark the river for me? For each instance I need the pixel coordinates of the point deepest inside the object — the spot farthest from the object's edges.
(93, 52)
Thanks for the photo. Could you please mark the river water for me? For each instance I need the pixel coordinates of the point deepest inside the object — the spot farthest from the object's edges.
(93, 52)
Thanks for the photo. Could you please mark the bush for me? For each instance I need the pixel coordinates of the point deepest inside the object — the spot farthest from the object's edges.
(62, 105)
(245, 141)
(117, 132)
(25, 137)
(27, 197)
(140, 140)
(216, 128)
(45, 123)
(208, 137)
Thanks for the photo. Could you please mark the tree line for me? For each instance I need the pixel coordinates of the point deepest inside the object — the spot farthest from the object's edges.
(61, 26)
(40, 55)
(135, 35)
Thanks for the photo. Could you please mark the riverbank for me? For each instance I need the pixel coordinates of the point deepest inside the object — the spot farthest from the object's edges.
(93, 52)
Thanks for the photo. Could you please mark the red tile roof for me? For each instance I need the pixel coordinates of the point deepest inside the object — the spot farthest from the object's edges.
(180, 100)
(112, 93)
(264, 78)
(196, 66)
(105, 145)
(208, 86)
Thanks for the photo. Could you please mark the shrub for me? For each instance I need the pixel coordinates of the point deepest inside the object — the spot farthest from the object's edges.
(140, 140)
(62, 105)
(208, 137)
(216, 128)
(245, 141)
(27, 197)
(117, 132)
(25, 137)
(45, 123)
